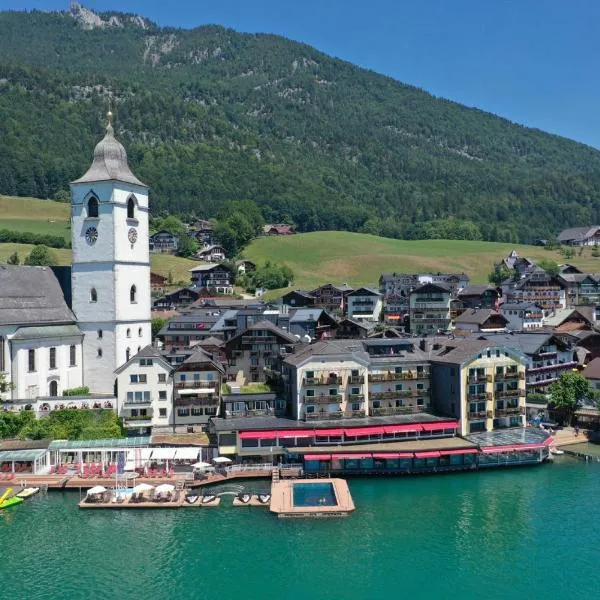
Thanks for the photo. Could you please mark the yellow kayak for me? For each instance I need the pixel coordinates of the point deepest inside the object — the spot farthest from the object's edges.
(28, 492)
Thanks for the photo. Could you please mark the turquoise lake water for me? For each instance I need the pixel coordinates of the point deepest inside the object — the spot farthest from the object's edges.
(515, 534)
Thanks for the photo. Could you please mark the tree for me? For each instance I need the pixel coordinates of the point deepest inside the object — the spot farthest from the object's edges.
(5, 385)
(157, 324)
(14, 259)
(550, 266)
(499, 274)
(567, 393)
(41, 256)
(227, 238)
(187, 245)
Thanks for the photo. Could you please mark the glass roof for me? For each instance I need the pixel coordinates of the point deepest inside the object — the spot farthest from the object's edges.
(21, 455)
(130, 442)
(508, 437)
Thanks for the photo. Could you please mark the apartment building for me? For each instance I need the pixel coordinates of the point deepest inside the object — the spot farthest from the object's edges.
(430, 310)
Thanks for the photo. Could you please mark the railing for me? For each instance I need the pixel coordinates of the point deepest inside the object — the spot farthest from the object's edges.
(323, 398)
(355, 398)
(479, 379)
(393, 394)
(196, 384)
(391, 376)
(265, 339)
(510, 393)
(356, 379)
(142, 401)
(510, 375)
(564, 365)
(324, 415)
(480, 414)
(210, 402)
(249, 468)
(513, 410)
(255, 412)
(480, 396)
(322, 381)
(397, 410)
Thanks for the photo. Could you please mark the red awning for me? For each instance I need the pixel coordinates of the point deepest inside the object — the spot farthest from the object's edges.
(461, 451)
(549, 441)
(317, 457)
(394, 455)
(327, 432)
(439, 426)
(427, 454)
(291, 433)
(350, 456)
(402, 428)
(364, 431)
(258, 435)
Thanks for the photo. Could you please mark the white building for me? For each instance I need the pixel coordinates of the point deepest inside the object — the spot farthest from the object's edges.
(111, 263)
(364, 304)
(522, 316)
(40, 343)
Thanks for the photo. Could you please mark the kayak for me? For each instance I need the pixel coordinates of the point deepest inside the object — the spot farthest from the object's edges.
(10, 502)
(28, 492)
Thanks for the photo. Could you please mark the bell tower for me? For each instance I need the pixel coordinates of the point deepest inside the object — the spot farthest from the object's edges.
(110, 275)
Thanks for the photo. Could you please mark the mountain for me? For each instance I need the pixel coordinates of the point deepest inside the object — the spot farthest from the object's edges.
(210, 115)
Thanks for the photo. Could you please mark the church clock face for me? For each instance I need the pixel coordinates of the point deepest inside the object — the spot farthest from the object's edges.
(132, 235)
(91, 235)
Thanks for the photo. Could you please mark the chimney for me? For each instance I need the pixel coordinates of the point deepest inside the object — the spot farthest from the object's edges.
(423, 345)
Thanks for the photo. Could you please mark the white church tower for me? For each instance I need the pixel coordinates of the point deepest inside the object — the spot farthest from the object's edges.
(111, 263)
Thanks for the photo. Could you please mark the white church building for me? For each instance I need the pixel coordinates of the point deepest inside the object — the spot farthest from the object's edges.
(47, 347)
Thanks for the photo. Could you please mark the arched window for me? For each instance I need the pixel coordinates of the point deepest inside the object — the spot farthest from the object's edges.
(140, 332)
(128, 332)
(99, 352)
(93, 295)
(131, 208)
(53, 388)
(92, 207)
(139, 349)
(133, 294)
(127, 354)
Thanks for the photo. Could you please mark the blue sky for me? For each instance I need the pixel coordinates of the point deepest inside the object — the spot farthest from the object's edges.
(532, 61)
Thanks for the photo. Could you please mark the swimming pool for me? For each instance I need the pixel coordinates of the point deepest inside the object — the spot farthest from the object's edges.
(314, 494)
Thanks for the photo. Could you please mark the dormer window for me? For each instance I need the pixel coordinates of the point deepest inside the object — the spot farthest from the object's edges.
(92, 208)
(131, 208)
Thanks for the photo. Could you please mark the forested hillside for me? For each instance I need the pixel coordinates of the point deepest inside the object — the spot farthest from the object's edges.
(210, 115)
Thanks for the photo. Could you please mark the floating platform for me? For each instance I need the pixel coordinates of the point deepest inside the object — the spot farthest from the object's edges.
(199, 504)
(318, 498)
(128, 504)
(254, 501)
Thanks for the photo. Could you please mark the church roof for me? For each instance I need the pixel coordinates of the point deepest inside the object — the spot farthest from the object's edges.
(110, 162)
(31, 296)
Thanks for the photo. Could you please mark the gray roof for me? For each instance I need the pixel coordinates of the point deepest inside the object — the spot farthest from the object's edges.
(48, 331)
(302, 315)
(365, 291)
(477, 317)
(353, 348)
(520, 306)
(31, 296)
(475, 290)
(110, 162)
(207, 267)
(458, 352)
(592, 371)
(526, 343)
(577, 233)
(269, 326)
(145, 352)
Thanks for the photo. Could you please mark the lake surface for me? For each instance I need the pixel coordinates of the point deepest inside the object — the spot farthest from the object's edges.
(525, 533)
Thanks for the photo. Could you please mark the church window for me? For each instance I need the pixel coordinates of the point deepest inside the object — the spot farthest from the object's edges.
(53, 388)
(131, 208)
(99, 352)
(31, 356)
(133, 294)
(92, 211)
(127, 354)
(139, 348)
(53, 358)
(128, 332)
(93, 295)
(72, 356)
(140, 332)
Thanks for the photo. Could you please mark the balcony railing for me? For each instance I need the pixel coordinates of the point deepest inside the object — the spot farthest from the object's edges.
(137, 421)
(510, 393)
(392, 394)
(264, 339)
(322, 381)
(356, 379)
(480, 396)
(391, 376)
(256, 412)
(323, 398)
(510, 375)
(564, 365)
(144, 401)
(479, 379)
(513, 410)
(397, 410)
(355, 397)
(326, 415)
(191, 401)
(200, 384)
(476, 415)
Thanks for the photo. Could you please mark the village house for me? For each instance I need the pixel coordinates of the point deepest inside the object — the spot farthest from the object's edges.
(331, 297)
(349, 329)
(298, 298)
(203, 232)
(217, 279)
(478, 296)
(177, 299)
(580, 236)
(592, 373)
(158, 282)
(538, 286)
(364, 304)
(164, 242)
(480, 320)
(212, 253)
(245, 266)
(522, 316)
(186, 329)
(430, 309)
(580, 288)
(279, 229)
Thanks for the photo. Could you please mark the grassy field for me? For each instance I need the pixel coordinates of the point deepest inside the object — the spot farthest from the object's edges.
(161, 263)
(35, 216)
(359, 259)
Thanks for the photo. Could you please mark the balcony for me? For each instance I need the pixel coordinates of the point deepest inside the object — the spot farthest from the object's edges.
(477, 415)
(394, 394)
(392, 376)
(355, 398)
(138, 421)
(324, 380)
(341, 414)
(509, 412)
(510, 393)
(397, 410)
(139, 402)
(565, 365)
(479, 379)
(506, 376)
(356, 379)
(256, 412)
(323, 399)
(192, 401)
(481, 396)
(263, 339)
(197, 384)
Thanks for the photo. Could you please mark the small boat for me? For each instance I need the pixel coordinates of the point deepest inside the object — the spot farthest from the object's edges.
(191, 498)
(28, 492)
(208, 499)
(245, 498)
(264, 498)
(556, 451)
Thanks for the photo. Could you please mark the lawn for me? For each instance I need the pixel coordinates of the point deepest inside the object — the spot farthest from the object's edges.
(359, 259)
(35, 216)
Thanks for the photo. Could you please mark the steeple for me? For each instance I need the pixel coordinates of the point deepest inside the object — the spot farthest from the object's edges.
(110, 160)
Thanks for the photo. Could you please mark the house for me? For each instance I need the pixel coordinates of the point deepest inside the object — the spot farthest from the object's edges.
(584, 340)
(520, 264)
(580, 236)
(212, 253)
(571, 319)
(480, 383)
(187, 329)
(254, 355)
(569, 269)
(158, 282)
(479, 296)
(40, 341)
(279, 229)
(203, 232)
(177, 299)
(298, 298)
(430, 309)
(331, 297)
(145, 392)
(313, 323)
(522, 316)
(349, 329)
(364, 304)
(580, 288)
(395, 310)
(402, 284)
(245, 266)
(217, 279)
(592, 373)
(163, 242)
(538, 286)
(483, 319)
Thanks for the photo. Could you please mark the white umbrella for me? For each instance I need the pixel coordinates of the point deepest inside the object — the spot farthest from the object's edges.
(98, 489)
(142, 487)
(165, 488)
(221, 460)
(200, 465)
